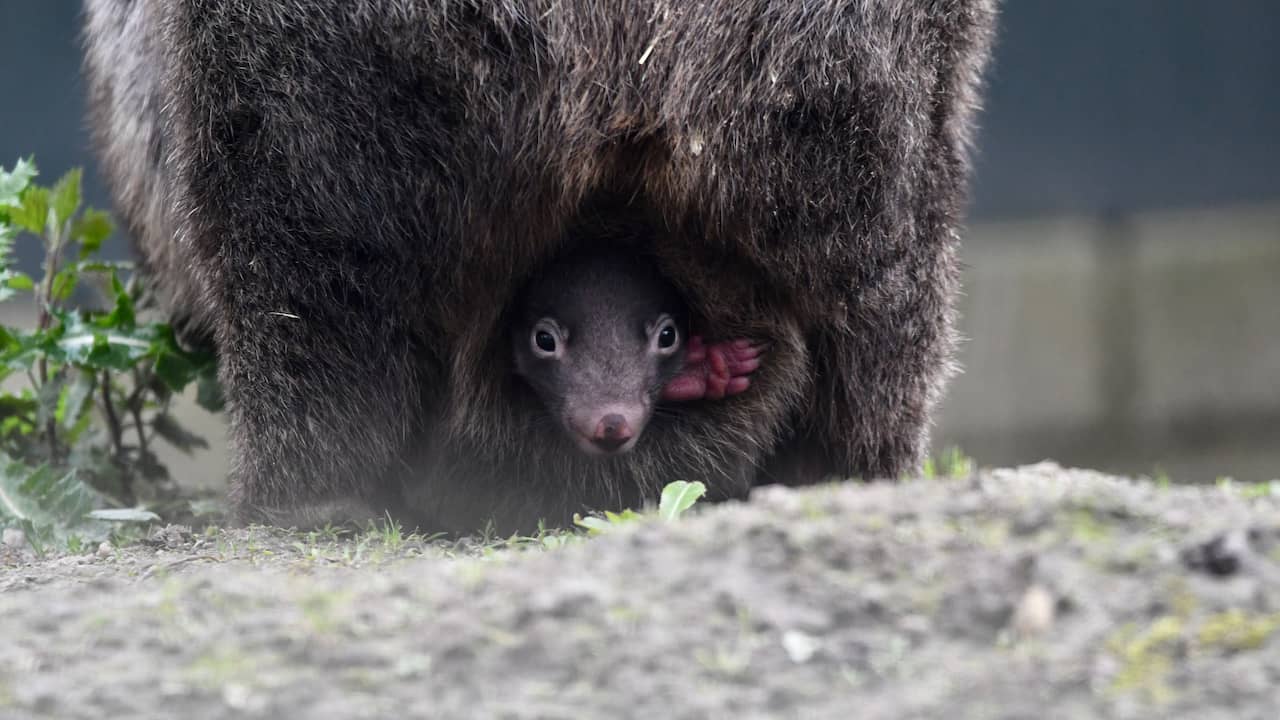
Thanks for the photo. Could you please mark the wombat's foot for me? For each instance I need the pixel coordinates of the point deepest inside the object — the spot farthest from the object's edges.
(714, 371)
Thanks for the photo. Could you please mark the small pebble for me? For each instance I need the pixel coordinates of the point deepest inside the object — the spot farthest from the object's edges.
(15, 538)
(800, 647)
(1035, 612)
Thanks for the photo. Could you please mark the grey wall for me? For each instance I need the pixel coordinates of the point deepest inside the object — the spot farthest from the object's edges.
(1131, 343)
(1098, 105)
(42, 96)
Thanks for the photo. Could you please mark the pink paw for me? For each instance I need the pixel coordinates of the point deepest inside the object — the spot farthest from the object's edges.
(714, 371)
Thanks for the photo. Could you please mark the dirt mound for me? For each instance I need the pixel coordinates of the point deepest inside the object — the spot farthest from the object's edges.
(1037, 592)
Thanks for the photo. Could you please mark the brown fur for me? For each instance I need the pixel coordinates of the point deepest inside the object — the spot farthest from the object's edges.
(347, 193)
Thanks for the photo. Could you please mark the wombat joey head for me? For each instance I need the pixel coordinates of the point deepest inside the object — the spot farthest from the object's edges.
(598, 333)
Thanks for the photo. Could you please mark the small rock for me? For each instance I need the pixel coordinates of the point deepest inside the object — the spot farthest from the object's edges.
(105, 550)
(15, 538)
(800, 647)
(1035, 613)
(1221, 556)
(1031, 521)
(916, 625)
(412, 665)
(240, 697)
(170, 537)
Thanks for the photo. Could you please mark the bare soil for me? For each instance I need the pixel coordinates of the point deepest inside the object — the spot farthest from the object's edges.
(1037, 592)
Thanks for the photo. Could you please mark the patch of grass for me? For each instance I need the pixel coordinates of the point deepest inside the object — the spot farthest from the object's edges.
(222, 666)
(544, 538)
(1146, 658)
(1147, 655)
(1084, 525)
(1265, 489)
(952, 463)
(1236, 630)
(320, 610)
(731, 658)
(990, 533)
(329, 533)
(390, 533)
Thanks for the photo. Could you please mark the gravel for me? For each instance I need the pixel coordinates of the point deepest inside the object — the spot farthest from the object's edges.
(1033, 592)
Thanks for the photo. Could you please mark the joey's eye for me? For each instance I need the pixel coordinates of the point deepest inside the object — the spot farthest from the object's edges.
(545, 341)
(667, 337)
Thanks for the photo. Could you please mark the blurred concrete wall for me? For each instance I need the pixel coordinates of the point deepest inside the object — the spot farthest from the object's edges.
(1124, 342)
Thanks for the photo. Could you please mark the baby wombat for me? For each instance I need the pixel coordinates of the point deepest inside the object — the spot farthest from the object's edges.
(601, 337)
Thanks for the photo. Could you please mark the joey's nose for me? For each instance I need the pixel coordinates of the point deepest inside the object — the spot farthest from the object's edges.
(612, 432)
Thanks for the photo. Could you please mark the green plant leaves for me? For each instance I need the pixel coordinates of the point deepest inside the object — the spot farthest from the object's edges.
(45, 505)
(13, 182)
(77, 437)
(65, 197)
(177, 368)
(596, 524)
(11, 282)
(57, 508)
(90, 230)
(96, 344)
(34, 208)
(71, 402)
(16, 281)
(32, 211)
(136, 515)
(678, 497)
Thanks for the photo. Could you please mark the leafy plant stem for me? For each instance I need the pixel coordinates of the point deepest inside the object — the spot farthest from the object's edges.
(44, 306)
(134, 403)
(116, 431)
